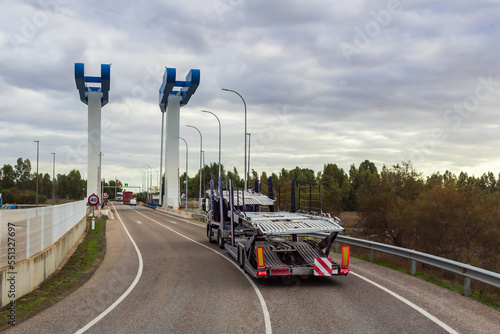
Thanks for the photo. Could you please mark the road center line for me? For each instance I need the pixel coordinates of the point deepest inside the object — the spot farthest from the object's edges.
(126, 293)
(409, 303)
(180, 218)
(404, 300)
(185, 221)
(267, 318)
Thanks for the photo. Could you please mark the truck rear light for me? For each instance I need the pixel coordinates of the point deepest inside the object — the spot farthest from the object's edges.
(261, 273)
(344, 270)
(345, 256)
(260, 258)
(280, 271)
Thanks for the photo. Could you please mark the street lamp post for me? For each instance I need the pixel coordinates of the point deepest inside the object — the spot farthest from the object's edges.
(249, 137)
(157, 182)
(161, 153)
(37, 156)
(245, 104)
(220, 174)
(99, 184)
(53, 179)
(148, 185)
(203, 168)
(143, 175)
(185, 142)
(201, 148)
(150, 182)
(99, 176)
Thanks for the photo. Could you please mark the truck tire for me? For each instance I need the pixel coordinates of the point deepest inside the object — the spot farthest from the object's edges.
(241, 257)
(209, 234)
(220, 239)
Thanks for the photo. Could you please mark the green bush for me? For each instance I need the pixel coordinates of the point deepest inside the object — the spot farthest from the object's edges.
(7, 196)
(29, 197)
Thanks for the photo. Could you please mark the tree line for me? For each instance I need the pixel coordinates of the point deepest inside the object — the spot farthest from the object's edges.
(455, 217)
(448, 215)
(18, 184)
(445, 214)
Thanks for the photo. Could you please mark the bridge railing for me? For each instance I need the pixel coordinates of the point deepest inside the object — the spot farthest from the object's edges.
(26, 232)
(466, 270)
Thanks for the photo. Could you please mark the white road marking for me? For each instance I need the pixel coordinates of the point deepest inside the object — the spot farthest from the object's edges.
(404, 300)
(409, 303)
(173, 222)
(139, 222)
(184, 220)
(267, 318)
(126, 293)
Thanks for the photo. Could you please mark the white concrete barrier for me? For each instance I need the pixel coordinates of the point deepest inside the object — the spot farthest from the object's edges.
(27, 274)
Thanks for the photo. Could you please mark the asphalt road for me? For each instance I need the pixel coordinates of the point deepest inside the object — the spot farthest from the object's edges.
(173, 281)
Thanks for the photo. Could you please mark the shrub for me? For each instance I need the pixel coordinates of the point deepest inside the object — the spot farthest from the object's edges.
(7, 196)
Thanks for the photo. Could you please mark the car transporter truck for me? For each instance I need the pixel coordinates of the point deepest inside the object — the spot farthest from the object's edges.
(267, 243)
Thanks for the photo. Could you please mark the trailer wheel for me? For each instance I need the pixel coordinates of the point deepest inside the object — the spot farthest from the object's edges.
(220, 240)
(241, 257)
(209, 234)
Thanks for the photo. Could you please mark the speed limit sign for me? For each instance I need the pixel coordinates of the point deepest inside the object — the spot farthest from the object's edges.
(105, 195)
(93, 200)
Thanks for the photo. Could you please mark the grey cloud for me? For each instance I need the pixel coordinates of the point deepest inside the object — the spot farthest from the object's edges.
(283, 57)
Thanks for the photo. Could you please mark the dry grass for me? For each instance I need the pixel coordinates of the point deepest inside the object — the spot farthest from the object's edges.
(349, 219)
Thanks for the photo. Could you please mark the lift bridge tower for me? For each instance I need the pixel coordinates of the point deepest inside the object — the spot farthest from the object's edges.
(170, 102)
(94, 91)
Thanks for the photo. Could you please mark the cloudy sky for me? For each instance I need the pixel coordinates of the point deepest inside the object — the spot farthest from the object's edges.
(325, 81)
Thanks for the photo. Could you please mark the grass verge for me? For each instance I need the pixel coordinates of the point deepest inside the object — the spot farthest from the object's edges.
(488, 298)
(79, 268)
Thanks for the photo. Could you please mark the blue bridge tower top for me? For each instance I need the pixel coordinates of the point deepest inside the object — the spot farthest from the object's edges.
(98, 83)
(187, 87)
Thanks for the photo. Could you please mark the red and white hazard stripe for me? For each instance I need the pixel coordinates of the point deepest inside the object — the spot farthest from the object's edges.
(322, 266)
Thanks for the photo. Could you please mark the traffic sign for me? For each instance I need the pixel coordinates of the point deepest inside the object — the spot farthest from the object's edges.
(183, 195)
(93, 200)
(105, 195)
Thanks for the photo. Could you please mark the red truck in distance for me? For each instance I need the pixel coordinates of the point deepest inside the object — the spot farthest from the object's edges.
(127, 196)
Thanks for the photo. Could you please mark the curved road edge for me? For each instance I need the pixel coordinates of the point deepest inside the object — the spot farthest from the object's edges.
(265, 311)
(130, 288)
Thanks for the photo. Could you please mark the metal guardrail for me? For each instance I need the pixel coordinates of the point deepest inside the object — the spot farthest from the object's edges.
(465, 270)
(197, 215)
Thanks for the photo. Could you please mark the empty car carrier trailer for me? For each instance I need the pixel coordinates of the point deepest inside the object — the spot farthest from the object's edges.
(267, 243)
